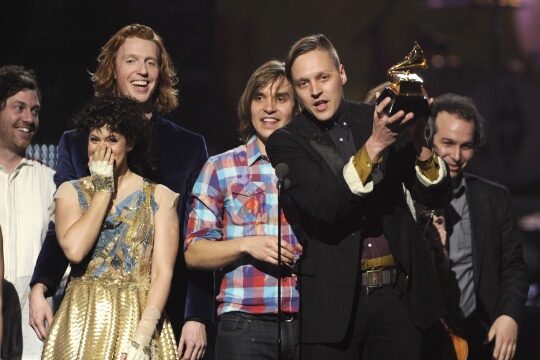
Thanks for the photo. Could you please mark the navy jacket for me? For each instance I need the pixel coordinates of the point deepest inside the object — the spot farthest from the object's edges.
(180, 154)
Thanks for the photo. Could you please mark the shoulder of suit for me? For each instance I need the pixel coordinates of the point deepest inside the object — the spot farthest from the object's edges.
(70, 133)
(361, 114)
(73, 136)
(478, 181)
(360, 107)
(296, 125)
(178, 130)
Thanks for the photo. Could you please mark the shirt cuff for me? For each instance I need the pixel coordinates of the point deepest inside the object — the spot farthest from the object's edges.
(353, 180)
(197, 319)
(432, 176)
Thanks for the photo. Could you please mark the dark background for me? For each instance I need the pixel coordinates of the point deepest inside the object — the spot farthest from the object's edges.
(486, 49)
(489, 50)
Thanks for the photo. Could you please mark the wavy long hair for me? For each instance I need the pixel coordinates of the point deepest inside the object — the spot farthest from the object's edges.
(166, 95)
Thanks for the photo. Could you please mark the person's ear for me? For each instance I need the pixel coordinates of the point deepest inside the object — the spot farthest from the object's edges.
(342, 74)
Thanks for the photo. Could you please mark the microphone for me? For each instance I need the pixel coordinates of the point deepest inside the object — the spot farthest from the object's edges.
(282, 170)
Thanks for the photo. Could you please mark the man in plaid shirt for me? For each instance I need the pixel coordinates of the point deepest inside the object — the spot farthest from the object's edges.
(233, 228)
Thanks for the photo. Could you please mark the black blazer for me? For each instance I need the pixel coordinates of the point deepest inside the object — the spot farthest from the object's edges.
(327, 218)
(500, 274)
(180, 154)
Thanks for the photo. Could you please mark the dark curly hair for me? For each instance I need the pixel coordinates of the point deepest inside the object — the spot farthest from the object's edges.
(15, 78)
(125, 117)
(461, 106)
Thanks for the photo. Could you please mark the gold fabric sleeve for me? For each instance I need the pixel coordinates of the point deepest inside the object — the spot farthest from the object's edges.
(362, 164)
(429, 168)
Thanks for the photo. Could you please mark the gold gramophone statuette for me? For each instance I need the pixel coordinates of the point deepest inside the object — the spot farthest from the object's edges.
(406, 88)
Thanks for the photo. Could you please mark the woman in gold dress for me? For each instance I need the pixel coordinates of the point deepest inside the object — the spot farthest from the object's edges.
(119, 231)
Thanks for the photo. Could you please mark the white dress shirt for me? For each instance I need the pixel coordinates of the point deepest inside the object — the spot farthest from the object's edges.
(26, 207)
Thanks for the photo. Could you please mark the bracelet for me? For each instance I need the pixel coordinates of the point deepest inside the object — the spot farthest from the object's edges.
(145, 349)
(103, 183)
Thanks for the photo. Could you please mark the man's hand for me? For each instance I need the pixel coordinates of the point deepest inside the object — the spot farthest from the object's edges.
(192, 343)
(41, 315)
(265, 248)
(418, 136)
(386, 129)
(504, 330)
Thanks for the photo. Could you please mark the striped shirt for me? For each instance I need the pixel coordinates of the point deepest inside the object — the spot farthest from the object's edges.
(235, 196)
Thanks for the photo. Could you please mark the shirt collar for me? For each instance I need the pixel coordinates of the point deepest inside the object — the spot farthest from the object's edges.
(459, 187)
(253, 152)
(24, 161)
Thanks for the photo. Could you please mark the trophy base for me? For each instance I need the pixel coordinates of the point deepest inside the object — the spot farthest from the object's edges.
(415, 103)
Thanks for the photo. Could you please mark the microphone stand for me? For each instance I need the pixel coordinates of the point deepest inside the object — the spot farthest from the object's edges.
(280, 191)
(281, 170)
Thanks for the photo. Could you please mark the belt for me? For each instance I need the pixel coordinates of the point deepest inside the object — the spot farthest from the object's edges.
(285, 317)
(378, 277)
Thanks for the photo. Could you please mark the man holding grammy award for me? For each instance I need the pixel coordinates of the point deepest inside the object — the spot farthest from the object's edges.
(367, 283)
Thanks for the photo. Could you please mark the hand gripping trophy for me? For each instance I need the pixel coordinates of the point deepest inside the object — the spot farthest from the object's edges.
(406, 88)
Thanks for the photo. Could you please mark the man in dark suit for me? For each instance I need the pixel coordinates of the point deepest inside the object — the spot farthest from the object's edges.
(484, 244)
(367, 282)
(135, 63)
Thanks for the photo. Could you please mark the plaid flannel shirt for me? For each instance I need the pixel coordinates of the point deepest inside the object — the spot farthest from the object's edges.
(235, 196)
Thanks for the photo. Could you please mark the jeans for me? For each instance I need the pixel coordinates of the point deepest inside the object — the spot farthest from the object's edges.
(243, 336)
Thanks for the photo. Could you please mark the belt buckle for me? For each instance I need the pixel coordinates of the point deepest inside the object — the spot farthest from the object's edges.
(374, 278)
(288, 319)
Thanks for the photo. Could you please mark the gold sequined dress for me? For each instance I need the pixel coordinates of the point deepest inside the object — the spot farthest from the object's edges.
(107, 293)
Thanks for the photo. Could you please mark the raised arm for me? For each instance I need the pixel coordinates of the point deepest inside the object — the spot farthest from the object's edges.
(77, 232)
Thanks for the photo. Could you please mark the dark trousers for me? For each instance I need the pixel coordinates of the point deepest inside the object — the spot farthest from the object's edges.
(475, 331)
(12, 343)
(243, 336)
(437, 344)
(381, 329)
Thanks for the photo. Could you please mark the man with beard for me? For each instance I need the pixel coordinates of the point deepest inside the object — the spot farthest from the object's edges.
(26, 201)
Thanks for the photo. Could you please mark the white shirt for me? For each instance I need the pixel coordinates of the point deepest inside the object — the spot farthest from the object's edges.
(26, 207)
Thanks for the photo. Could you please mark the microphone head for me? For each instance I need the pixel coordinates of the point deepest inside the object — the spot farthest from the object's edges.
(281, 170)
(286, 184)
